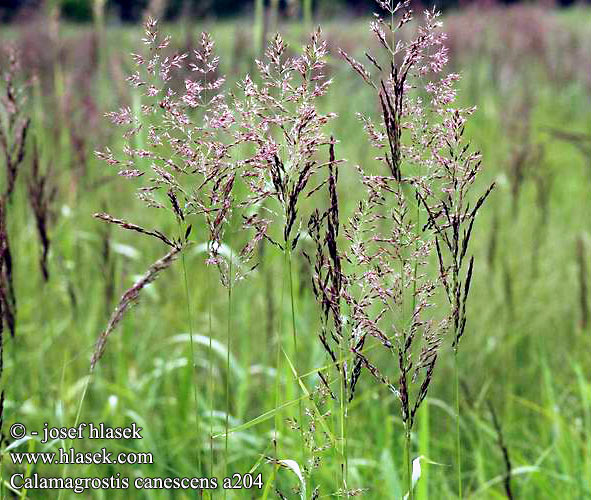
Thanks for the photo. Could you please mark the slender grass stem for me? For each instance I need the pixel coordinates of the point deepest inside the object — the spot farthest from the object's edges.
(210, 362)
(192, 361)
(278, 342)
(192, 349)
(293, 321)
(458, 437)
(343, 422)
(295, 352)
(77, 419)
(423, 484)
(408, 460)
(422, 491)
(334, 414)
(228, 343)
(211, 382)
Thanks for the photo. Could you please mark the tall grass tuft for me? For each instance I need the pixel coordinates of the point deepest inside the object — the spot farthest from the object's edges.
(174, 140)
(382, 279)
(279, 118)
(416, 213)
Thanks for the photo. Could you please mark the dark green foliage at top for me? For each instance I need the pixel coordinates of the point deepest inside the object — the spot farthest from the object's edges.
(76, 10)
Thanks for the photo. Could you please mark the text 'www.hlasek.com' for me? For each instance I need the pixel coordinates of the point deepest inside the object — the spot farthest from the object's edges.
(69, 459)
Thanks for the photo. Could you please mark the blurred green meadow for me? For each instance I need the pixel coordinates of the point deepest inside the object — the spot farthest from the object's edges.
(526, 353)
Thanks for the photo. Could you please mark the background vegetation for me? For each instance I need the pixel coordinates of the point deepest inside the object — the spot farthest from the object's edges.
(525, 355)
(131, 10)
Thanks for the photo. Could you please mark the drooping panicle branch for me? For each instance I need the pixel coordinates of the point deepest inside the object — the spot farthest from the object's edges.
(134, 227)
(129, 298)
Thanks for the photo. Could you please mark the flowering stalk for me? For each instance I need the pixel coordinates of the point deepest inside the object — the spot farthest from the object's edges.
(327, 285)
(185, 168)
(279, 117)
(14, 126)
(389, 291)
(178, 153)
(451, 218)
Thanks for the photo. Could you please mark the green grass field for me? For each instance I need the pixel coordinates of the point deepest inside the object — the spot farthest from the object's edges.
(526, 348)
